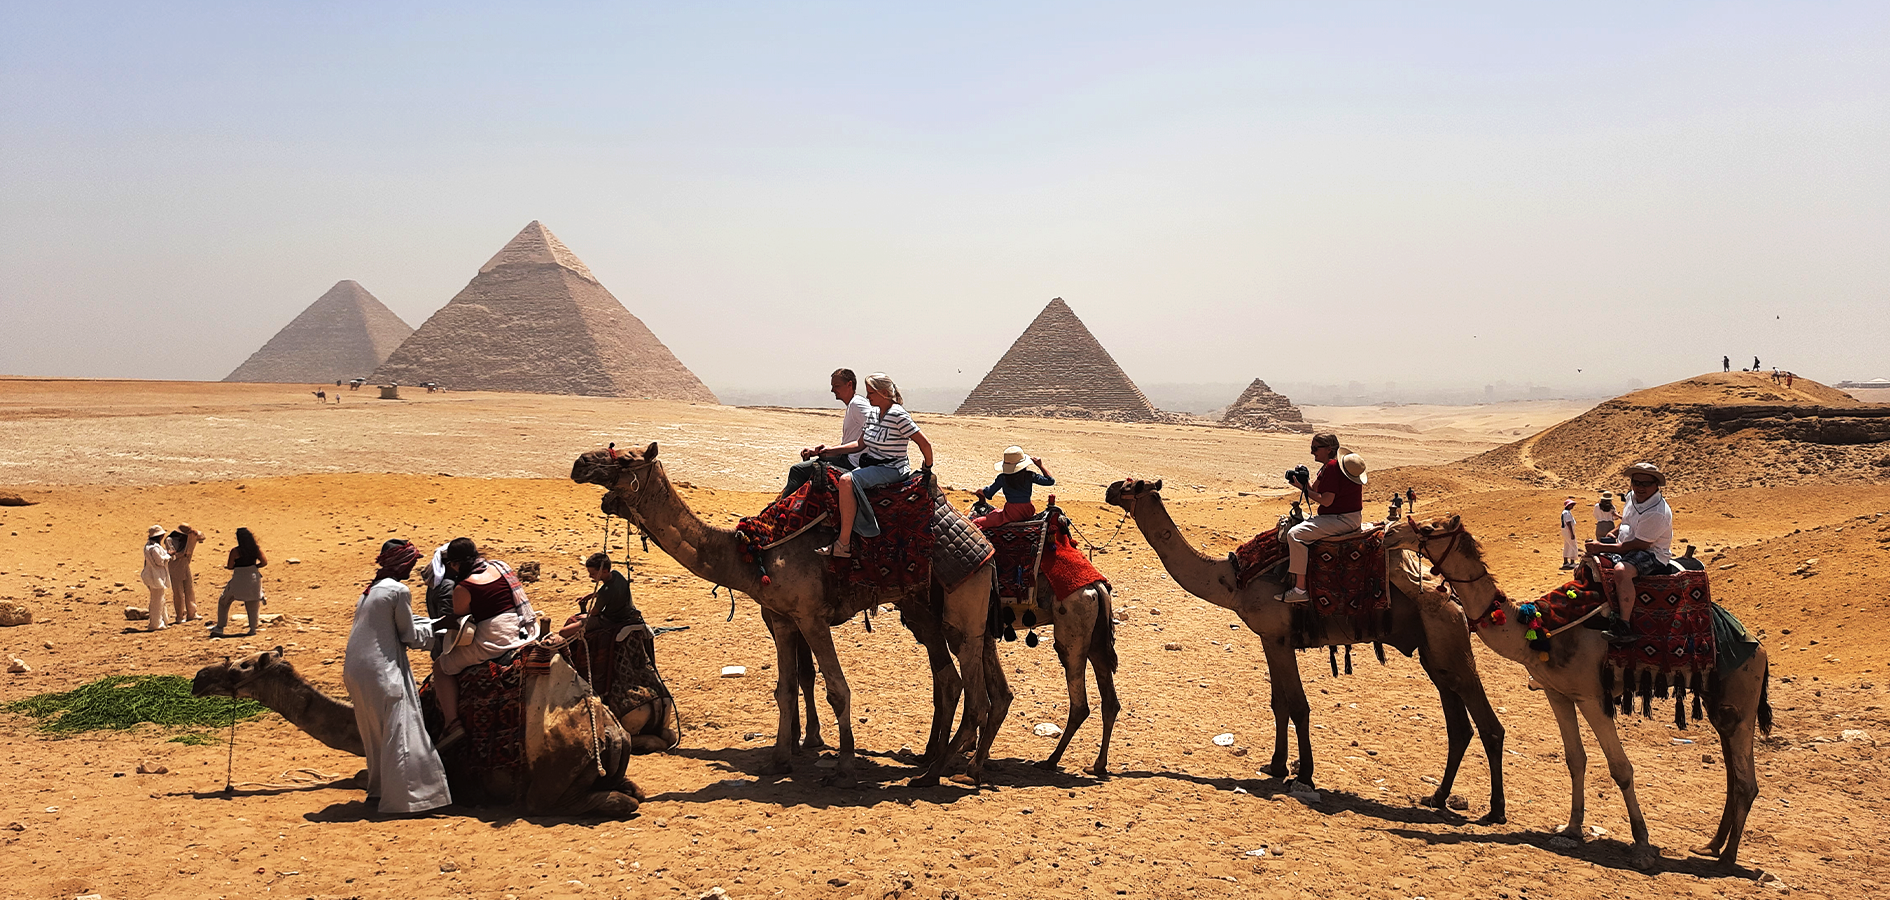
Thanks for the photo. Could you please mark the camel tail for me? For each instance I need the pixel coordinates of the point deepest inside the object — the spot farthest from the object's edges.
(1102, 645)
(1765, 701)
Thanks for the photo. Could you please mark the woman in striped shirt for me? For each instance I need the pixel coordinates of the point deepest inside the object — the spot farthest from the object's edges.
(885, 460)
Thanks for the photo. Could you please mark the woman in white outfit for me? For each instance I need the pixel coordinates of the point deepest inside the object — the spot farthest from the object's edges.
(156, 575)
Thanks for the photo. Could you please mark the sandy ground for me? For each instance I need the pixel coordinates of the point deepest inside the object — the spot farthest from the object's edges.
(1176, 817)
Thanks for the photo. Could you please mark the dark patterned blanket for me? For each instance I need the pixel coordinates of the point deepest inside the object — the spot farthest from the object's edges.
(1062, 563)
(1674, 649)
(492, 707)
(901, 556)
(621, 673)
(1347, 576)
(1257, 556)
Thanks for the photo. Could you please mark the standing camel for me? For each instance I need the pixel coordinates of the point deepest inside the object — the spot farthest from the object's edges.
(796, 603)
(1571, 678)
(1433, 627)
(1083, 631)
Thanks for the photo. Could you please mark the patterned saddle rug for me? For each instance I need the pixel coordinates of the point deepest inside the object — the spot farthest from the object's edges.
(621, 673)
(1060, 563)
(1256, 557)
(920, 535)
(492, 708)
(1675, 647)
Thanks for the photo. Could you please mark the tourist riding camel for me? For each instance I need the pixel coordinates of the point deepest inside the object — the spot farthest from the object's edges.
(608, 607)
(844, 385)
(1341, 504)
(885, 460)
(492, 597)
(404, 774)
(1015, 480)
(1642, 547)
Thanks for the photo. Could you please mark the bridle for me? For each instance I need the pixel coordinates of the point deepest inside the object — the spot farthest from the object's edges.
(1437, 563)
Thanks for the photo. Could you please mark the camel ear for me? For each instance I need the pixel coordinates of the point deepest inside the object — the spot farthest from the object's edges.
(1158, 485)
(649, 452)
(1456, 522)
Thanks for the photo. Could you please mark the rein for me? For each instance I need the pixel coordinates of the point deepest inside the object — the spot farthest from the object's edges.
(1493, 615)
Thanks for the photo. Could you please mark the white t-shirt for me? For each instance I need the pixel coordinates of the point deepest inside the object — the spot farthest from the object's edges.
(1652, 522)
(1606, 515)
(853, 424)
(888, 434)
(1568, 523)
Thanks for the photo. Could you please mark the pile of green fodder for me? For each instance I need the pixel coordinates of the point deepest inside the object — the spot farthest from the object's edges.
(119, 702)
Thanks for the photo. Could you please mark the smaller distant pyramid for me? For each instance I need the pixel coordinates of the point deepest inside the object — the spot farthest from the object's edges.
(344, 334)
(1057, 369)
(1261, 409)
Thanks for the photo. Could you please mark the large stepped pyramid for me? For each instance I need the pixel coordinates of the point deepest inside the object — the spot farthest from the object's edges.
(1057, 369)
(344, 334)
(536, 320)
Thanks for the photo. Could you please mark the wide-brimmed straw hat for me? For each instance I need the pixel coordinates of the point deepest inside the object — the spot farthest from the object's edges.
(1014, 461)
(1352, 466)
(1648, 469)
(1607, 495)
(1568, 503)
(154, 531)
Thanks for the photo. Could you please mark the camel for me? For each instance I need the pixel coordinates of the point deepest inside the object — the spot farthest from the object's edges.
(1571, 678)
(1432, 627)
(573, 768)
(1084, 634)
(796, 604)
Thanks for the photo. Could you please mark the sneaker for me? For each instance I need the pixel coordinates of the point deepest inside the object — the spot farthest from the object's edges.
(453, 734)
(1295, 595)
(1620, 633)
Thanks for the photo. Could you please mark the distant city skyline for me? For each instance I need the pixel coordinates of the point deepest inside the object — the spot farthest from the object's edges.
(1440, 196)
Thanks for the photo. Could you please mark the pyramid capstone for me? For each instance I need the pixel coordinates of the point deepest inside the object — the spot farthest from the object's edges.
(535, 320)
(1260, 409)
(343, 335)
(1057, 369)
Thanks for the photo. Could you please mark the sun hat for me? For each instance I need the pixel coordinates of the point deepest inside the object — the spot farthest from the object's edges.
(1607, 495)
(1568, 503)
(1352, 466)
(1014, 461)
(154, 531)
(1648, 469)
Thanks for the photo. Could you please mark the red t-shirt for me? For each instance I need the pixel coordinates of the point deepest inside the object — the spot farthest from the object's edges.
(1347, 495)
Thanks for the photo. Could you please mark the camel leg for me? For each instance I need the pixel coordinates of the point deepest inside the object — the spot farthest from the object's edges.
(1074, 656)
(1458, 732)
(1282, 669)
(998, 705)
(1111, 707)
(1734, 712)
(1574, 755)
(786, 702)
(966, 611)
(947, 687)
(839, 694)
(1622, 771)
(1464, 690)
(804, 668)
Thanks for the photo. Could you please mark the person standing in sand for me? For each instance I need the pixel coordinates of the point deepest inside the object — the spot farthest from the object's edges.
(183, 545)
(245, 564)
(404, 774)
(156, 575)
(1605, 517)
(1571, 549)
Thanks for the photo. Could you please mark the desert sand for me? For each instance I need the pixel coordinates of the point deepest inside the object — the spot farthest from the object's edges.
(323, 485)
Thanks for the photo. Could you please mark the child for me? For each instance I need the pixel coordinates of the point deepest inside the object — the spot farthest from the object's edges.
(1015, 479)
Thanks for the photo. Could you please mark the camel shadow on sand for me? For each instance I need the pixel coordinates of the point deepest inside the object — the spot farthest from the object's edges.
(1331, 802)
(1605, 852)
(876, 776)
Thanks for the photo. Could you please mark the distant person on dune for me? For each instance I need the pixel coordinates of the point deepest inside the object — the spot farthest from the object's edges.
(1789, 377)
(1725, 363)
(1571, 549)
(1605, 517)
(1643, 546)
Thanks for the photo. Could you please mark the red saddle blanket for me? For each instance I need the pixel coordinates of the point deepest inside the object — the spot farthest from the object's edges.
(1346, 576)
(1061, 563)
(492, 708)
(787, 517)
(1258, 555)
(1673, 621)
(901, 556)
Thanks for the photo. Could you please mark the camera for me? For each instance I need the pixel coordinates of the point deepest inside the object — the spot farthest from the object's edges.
(1299, 475)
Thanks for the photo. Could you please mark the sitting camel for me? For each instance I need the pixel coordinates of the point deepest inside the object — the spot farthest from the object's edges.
(572, 767)
(1571, 678)
(796, 604)
(1432, 627)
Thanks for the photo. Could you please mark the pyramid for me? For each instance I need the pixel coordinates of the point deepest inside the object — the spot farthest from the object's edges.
(344, 334)
(1260, 409)
(535, 320)
(1057, 369)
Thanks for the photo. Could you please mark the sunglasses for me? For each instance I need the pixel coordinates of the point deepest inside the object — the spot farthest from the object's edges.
(1642, 482)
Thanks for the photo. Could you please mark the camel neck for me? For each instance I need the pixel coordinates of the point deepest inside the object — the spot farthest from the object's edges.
(1210, 579)
(710, 553)
(322, 717)
(1476, 590)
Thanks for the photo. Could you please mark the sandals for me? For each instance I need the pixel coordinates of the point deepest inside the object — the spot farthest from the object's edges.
(453, 734)
(830, 550)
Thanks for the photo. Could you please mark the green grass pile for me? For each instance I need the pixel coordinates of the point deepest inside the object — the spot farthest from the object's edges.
(118, 702)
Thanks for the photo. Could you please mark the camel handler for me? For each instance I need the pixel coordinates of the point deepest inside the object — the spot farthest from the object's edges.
(608, 607)
(845, 387)
(404, 774)
(1341, 502)
(1643, 545)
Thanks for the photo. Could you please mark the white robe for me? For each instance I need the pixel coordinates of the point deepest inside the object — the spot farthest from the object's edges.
(403, 769)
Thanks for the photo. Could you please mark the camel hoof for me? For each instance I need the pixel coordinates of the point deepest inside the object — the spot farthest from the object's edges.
(814, 743)
(1100, 770)
(1433, 801)
(1571, 830)
(965, 780)
(923, 781)
(1644, 858)
(1276, 770)
(1494, 817)
(1048, 765)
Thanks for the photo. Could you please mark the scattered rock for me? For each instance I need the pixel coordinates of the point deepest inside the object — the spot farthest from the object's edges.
(1855, 736)
(153, 769)
(1046, 729)
(8, 498)
(528, 571)
(1259, 852)
(1708, 758)
(1457, 802)
(714, 893)
(1172, 645)
(1427, 779)
(18, 666)
(447, 865)
(294, 562)
(15, 826)
(1224, 740)
(1596, 831)
(734, 671)
(838, 882)
(13, 612)
(136, 614)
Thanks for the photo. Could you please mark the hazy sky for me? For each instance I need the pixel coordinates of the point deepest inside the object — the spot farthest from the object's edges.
(1310, 192)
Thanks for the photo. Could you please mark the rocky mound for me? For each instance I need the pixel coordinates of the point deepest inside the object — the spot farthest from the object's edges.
(1716, 431)
(1259, 408)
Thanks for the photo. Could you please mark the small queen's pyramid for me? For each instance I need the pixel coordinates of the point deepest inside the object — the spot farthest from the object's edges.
(536, 320)
(343, 335)
(1057, 369)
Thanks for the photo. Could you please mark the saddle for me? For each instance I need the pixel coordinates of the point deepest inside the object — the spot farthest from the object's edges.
(1677, 636)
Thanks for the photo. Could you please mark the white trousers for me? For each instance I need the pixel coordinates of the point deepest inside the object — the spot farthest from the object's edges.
(1313, 529)
(155, 620)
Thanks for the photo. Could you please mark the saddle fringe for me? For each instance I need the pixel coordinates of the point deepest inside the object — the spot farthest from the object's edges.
(1621, 685)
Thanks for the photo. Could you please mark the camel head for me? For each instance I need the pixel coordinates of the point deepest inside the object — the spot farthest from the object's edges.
(1124, 493)
(605, 467)
(1434, 538)
(235, 679)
